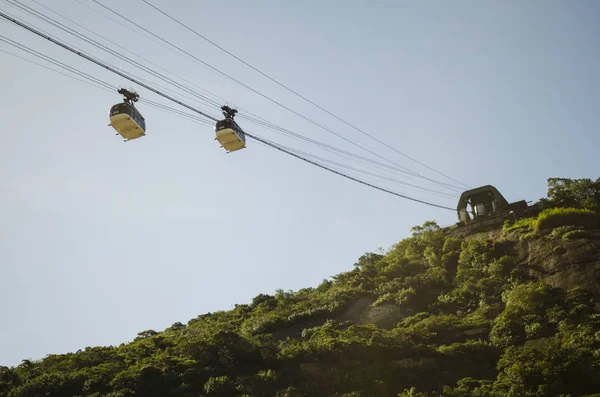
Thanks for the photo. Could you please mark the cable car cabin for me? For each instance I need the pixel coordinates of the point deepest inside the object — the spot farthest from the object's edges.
(230, 135)
(127, 121)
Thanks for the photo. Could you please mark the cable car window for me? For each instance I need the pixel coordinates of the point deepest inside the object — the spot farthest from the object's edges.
(222, 124)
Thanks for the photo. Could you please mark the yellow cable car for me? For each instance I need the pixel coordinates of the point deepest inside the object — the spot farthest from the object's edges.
(126, 119)
(228, 132)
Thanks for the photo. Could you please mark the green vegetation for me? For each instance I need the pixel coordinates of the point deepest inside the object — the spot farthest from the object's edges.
(572, 193)
(556, 217)
(520, 224)
(435, 316)
(558, 232)
(575, 234)
(571, 204)
(528, 236)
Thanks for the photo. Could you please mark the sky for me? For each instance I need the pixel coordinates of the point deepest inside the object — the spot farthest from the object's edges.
(102, 239)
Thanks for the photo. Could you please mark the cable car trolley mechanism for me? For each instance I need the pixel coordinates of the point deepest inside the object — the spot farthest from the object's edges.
(125, 118)
(228, 133)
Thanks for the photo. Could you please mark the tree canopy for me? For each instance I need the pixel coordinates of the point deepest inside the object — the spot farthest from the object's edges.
(574, 193)
(436, 315)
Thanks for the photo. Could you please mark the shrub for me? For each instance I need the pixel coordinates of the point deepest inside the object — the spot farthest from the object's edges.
(527, 236)
(558, 232)
(525, 223)
(575, 234)
(219, 386)
(555, 217)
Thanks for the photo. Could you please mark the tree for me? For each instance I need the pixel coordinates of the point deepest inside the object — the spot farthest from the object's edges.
(577, 193)
(50, 384)
(8, 380)
(147, 334)
(427, 228)
(547, 368)
(219, 386)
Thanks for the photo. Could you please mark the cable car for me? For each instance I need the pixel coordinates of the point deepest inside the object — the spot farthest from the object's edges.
(228, 132)
(126, 119)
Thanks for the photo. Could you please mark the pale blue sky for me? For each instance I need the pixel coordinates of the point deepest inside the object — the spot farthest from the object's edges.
(100, 239)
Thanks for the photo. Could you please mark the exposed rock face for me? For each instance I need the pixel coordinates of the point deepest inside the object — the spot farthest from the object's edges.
(560, 263)
(384, 316)
(565, 264)
(360, 312)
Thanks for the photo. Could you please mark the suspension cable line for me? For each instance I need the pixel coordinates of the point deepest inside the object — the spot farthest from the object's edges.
(329, 148)
(325, 146)
(108, 88)
(255, 137)
(92, 81)
(298, 94)
(207, 99)
(162, 77)
(325, 160)
(103, 65)
(97, 44)
(55, 62)
(101, 87)
(267, 97)
(275, 146)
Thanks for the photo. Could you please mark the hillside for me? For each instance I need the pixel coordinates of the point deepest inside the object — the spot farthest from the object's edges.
(511, 312)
